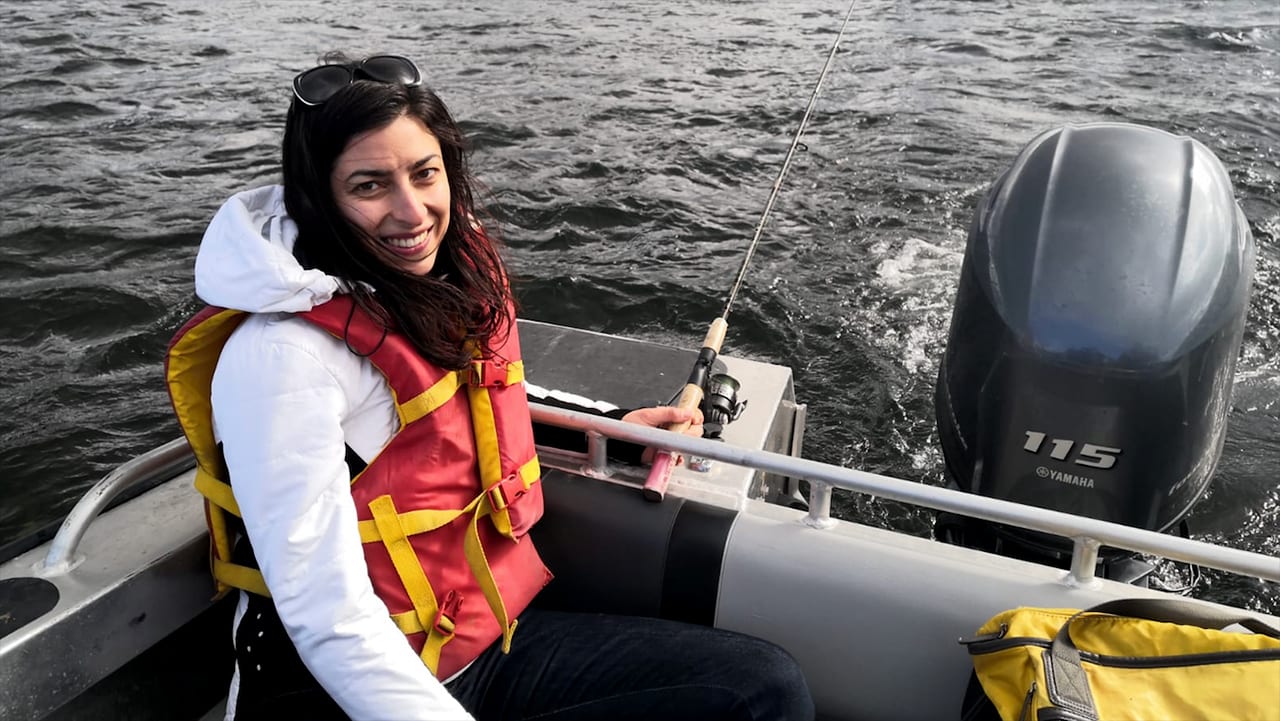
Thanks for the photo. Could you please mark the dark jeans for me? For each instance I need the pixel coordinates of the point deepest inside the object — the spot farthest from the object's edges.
(588, 667)
(562, 667)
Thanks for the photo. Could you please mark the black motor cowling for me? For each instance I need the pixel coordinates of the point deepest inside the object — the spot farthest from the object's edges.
(1095, 332)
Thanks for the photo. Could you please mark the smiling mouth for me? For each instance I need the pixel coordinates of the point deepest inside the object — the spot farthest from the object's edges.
(409, 245)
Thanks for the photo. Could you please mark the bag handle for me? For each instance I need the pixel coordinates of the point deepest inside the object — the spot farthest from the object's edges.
(1187, 613)
(1067, 685)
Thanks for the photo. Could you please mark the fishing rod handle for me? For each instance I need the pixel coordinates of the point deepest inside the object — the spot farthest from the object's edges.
(655, 486)
(690, 398)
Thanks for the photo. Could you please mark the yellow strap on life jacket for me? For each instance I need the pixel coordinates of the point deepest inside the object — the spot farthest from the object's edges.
(219, 501)
(486, 432)
(432, 398)
(490, 459)
(442, 390)
(217, 491)
(243, 577)
(426, 520)
(413, 523)
(479, 564)
(408, 622)
(409, 569)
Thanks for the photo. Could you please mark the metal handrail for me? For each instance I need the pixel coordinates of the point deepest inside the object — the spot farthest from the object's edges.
(165, 461)
(1087, 533)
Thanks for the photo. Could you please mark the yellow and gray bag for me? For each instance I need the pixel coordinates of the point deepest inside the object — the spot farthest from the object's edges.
(1136, 659)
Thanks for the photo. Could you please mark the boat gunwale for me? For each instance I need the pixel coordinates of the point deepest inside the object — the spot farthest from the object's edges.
(1088, 533)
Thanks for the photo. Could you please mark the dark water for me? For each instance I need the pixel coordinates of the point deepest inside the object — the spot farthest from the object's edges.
(628, 151)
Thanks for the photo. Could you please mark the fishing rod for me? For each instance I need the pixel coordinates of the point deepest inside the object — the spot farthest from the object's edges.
(655, 486)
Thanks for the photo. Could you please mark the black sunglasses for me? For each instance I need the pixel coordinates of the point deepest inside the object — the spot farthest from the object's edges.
(315, 86)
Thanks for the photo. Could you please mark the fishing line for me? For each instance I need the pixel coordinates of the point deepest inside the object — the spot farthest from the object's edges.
(786, 164)
(655, 486)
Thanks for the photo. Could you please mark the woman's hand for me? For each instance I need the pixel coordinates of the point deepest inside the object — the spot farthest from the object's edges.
(663, 416)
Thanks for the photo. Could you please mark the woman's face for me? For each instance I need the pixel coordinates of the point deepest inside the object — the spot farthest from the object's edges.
(391, 183)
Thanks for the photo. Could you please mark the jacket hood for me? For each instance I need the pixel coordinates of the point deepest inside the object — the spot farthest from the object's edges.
(246, 262)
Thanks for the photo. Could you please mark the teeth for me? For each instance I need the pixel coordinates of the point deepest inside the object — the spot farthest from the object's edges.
(407, 242)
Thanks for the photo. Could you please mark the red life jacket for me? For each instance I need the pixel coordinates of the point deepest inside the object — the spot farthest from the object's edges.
(443, 508)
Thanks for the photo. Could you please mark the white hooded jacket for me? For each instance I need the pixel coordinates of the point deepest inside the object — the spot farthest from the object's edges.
(287, 399)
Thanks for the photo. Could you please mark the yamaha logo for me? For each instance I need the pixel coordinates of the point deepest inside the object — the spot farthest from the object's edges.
(1068, 478)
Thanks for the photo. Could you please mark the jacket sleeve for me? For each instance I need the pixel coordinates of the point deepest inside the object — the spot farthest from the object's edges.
(279, 409)
(570, 440)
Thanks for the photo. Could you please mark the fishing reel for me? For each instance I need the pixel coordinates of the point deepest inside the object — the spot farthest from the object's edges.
(720, 404)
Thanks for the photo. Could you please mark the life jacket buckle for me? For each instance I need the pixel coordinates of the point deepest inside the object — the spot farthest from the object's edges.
(488, 372)
(499, 495)
(443, 623)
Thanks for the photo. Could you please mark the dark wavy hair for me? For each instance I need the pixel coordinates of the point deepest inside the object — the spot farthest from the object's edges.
(465, 299)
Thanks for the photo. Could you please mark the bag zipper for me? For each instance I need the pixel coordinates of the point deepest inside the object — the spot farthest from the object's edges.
(993, 642)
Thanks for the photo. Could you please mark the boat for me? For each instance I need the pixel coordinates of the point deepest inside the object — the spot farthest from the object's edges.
(114, 616)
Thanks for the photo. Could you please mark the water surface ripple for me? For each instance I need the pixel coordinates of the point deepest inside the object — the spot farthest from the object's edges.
(628, 150)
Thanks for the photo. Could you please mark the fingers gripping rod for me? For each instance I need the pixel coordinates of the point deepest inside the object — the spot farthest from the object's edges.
(655, 486)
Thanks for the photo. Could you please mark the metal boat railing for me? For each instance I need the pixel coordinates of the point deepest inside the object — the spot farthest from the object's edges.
(155, 465)
(1087, 534)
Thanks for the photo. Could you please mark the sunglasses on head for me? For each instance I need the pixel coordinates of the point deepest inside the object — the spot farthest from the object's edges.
(315, 86)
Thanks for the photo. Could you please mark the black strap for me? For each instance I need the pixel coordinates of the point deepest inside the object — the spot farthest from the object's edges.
(355, 464)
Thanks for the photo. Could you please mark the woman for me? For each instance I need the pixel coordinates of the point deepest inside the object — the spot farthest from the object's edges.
(365, 386)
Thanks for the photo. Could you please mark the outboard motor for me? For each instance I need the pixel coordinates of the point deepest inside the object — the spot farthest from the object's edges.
(1094, 338)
